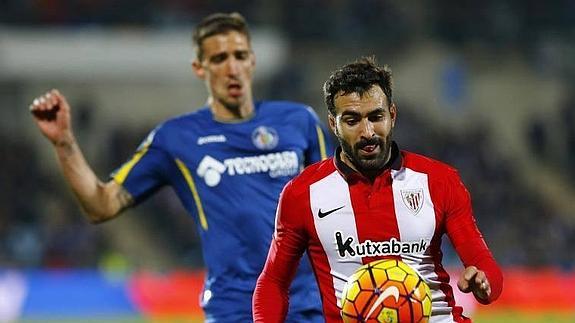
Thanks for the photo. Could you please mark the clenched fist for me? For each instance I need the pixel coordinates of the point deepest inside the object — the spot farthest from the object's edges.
(51, 112)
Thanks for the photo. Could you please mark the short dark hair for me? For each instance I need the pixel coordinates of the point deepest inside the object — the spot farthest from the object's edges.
(215, 24)
(357, 77)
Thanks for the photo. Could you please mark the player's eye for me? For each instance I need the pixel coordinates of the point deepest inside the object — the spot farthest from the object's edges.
(241, 55)
(219, 58)
(376, 117)
(351, 121)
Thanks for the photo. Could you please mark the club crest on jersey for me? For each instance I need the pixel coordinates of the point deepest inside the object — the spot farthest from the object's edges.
(413, 199)
(265, 138)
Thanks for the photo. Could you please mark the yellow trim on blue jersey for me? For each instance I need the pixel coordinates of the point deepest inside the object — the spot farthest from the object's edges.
(321, 141)
(188, 176)
(122, 173)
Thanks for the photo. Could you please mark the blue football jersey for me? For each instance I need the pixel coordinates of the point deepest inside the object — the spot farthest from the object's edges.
(228, 176)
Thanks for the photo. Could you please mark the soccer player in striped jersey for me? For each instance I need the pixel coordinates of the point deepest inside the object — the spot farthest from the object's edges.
(227, 162)
(373, 201)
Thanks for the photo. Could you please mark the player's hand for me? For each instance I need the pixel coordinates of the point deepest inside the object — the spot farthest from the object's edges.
(474, 280)
(52, 115)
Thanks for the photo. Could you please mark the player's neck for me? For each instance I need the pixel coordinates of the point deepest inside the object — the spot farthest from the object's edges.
(225, 113)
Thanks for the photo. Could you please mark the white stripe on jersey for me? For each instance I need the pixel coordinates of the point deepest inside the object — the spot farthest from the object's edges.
(417, 222)
(330, 193)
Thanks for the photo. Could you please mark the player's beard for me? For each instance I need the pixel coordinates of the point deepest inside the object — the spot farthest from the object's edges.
(371, 165)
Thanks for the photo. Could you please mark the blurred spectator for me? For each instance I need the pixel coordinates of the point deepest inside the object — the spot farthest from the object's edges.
(567, 118)
(537, 137)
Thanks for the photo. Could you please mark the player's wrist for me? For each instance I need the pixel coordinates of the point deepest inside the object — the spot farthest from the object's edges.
(65, 143)
(482, 297)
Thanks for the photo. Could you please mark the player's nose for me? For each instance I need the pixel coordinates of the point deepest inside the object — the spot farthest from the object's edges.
(367, 129)
(233, 66)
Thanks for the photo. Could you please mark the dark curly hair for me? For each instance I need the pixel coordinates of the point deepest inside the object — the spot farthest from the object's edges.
(215, 24)
(357, 77)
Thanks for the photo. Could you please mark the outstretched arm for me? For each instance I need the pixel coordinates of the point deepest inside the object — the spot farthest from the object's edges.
(100, 201)
(482, 275)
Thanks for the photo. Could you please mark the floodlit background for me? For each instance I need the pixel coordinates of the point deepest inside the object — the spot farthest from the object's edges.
(487, 86)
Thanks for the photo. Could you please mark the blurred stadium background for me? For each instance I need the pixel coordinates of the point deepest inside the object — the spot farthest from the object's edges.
(488, 86)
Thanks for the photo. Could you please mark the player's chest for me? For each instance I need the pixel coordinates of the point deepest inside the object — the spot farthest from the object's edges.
(377, 219)
(232, 155)
(251, 138)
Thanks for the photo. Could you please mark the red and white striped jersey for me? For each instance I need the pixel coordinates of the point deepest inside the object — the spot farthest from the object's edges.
(343, 220)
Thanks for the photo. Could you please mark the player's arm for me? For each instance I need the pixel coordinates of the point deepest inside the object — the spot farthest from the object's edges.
(270, 300)
(482, 275)
(101, 201)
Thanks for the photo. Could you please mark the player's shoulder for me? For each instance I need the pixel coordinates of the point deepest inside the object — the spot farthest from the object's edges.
(424, 164)
(311, 174)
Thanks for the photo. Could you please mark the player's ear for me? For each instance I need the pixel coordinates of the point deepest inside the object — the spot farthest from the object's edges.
(332, 123)
(393, 113)
(253, 58)
(198, 69)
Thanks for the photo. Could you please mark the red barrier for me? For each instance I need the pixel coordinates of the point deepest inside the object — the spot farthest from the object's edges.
(537, 290)
(177, 293)
(161, 295)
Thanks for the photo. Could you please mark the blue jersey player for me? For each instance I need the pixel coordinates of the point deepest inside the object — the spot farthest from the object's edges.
(227, 162)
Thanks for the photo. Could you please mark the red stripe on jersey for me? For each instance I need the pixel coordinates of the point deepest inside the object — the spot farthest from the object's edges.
(374, 211)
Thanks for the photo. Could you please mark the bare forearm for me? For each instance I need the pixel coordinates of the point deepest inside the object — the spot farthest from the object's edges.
(100, 201)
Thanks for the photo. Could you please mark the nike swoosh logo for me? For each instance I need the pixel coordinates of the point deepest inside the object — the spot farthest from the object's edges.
(321, 214)
(390, 291)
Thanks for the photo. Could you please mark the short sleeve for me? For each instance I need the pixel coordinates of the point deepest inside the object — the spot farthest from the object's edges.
(145, 172)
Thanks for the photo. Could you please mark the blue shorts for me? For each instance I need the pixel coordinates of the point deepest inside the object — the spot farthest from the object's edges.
(307, 316)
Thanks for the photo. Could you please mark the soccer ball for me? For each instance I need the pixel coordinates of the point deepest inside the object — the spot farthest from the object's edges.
(387, 291)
